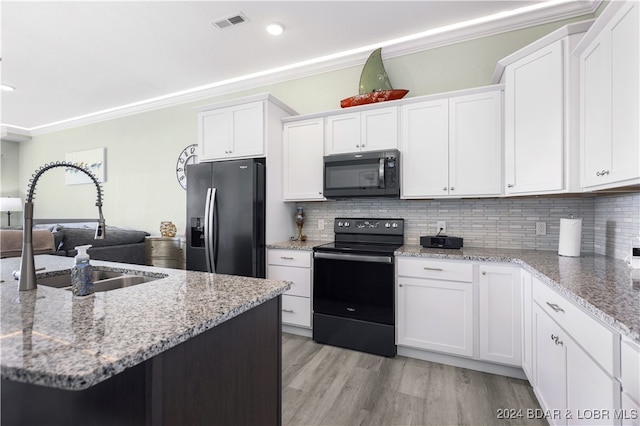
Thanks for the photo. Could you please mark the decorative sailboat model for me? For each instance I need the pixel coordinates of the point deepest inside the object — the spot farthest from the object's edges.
(375, 85)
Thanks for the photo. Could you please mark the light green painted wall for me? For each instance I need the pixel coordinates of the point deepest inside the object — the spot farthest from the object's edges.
(9, 178)
(141, 189)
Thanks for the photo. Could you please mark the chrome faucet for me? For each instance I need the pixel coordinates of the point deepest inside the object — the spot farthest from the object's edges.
(27, 268)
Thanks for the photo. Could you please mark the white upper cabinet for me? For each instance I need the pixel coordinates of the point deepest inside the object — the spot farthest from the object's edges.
(371, 130)
(452, 147)
(541, 115)
(425, 149)
(233, 132)
(302, 167)
(475, 144)
(609, 93)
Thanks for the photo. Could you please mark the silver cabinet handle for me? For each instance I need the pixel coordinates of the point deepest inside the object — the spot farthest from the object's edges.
(510, 185)
(555, 307)
(557, 340)
(399, 285)
(452, 188)
(426, 268)
(484, 272)
(444, 189)
(286, 257)
(602, 173)
(290, 311)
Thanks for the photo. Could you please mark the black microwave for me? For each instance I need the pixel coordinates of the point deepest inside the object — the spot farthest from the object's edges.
(362, 174)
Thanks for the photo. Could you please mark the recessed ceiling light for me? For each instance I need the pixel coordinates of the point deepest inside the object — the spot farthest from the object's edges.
(7, 88)
(275, 28)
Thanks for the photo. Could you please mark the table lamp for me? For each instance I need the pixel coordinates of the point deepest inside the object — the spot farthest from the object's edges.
(9, 204)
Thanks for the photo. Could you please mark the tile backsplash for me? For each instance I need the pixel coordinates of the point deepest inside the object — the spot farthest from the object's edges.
(608, 221)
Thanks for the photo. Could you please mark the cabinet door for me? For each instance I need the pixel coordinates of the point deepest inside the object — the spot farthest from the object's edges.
(379, 129)
(436, 315)
(424, 149)
(625, 92)
(303, 151)
(609, 71)
(596, 112)
(499, 312)
(475, 144)
(534, 122)
(248, 130)
(214, 134)
(590, 390)
(550, 366)
(342, 133)
(527, 326)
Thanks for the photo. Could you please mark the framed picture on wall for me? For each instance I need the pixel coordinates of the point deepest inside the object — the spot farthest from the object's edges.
(92, 160)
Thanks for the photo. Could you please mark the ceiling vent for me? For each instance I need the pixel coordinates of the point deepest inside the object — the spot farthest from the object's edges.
(230, 21)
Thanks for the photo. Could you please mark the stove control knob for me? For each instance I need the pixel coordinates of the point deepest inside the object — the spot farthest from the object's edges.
(346, 224)
(387, 225)
(339, 224)
(395, 224)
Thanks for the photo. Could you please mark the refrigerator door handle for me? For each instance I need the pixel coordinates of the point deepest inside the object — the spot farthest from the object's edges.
(208, 228)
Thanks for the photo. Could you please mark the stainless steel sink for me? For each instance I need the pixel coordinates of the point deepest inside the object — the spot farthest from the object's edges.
(102, 280)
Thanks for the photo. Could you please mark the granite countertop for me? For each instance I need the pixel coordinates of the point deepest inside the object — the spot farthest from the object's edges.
(297, 245)
(49, 337)
(601, 285)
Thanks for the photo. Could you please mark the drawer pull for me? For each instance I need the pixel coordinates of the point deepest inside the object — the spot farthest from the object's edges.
(286, 257)
(557, 340)
(555, 307)
(426, 268)
(290, 311)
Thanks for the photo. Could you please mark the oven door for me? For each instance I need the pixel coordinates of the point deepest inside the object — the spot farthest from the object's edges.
(356, 286)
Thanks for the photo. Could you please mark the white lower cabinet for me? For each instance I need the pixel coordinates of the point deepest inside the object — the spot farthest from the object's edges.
(550, 366)
(294, 266)
(573, 385)
(630, 381)
(527, 326)
(499, 306)
(435, 306)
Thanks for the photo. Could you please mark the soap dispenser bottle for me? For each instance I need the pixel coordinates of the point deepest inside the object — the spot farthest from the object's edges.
(82, 273)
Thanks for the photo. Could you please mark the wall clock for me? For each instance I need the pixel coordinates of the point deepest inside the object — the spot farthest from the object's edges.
(189, 155)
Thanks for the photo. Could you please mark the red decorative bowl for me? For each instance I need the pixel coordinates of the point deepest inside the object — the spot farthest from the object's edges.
(369, 98)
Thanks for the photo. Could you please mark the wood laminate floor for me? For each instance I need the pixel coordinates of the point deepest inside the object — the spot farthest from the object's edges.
(325, 385)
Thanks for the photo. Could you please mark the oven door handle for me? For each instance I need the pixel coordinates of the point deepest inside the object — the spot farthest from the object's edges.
(354, 257)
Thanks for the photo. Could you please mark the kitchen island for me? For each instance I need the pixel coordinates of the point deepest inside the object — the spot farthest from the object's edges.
(186, 348)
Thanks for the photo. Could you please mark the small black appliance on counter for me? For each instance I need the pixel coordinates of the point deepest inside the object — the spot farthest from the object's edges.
(441, 241)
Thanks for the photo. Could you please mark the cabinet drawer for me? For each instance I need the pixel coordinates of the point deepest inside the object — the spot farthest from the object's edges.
(435, 269)
(301, 278)
(630, 369)
(296, 310)
(289, 258)
(588, 332)
(163, 247)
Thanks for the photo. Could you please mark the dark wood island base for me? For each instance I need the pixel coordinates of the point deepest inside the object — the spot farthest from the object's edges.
(228, 375)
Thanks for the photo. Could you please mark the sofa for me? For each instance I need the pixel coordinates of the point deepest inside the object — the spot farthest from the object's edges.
(119, 245)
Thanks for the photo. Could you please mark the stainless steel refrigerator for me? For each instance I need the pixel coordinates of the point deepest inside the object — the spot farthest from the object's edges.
(226, 217)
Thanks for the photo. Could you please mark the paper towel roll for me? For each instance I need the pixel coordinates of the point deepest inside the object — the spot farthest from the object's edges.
(570, 237)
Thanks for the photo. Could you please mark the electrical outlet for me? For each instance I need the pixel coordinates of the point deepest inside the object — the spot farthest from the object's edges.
(541, 228)
(320, 224)
(441, 227)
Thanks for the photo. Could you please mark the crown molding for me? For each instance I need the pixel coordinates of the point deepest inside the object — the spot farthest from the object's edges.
(538, 17)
